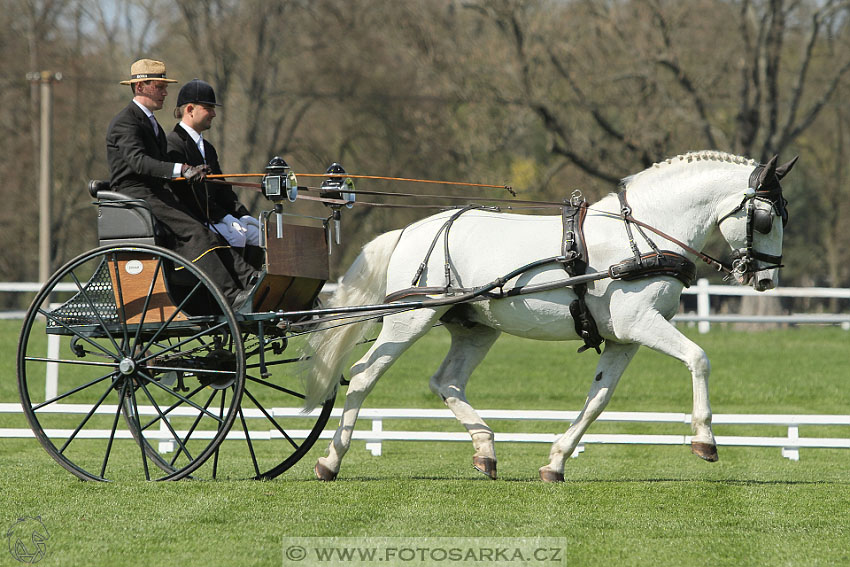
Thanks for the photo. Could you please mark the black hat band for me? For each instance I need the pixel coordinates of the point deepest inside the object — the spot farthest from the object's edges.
(148, 76)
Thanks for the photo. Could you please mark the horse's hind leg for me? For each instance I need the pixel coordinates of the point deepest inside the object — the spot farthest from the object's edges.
(399, 331)
(469, 346)
(612, 363)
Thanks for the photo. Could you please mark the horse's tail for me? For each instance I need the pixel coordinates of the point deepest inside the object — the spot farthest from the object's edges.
(365, 283)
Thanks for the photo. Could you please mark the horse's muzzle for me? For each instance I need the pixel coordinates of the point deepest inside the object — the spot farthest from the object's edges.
(764, 280)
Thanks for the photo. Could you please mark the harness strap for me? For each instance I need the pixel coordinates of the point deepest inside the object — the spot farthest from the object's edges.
(626, 212)
(443, 229)
(575, 255)
(666, 263)
(626, 215)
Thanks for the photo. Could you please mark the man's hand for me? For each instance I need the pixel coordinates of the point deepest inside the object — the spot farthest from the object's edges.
(252, 225)
(232, 230)
(196, 173)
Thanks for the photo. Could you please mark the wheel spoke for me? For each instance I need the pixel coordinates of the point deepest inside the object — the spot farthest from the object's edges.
(218, 449)
(72, 391)
(181, 397)
(165, 421)
(156, 271)
(248, 439)
(98, 346)
(268, 384)
(197, 336)
(86, 418)
(120, 298)
(134, 422)
(176, 405)
(271, 419)
(194, 425)
(112, 432)
(275, 363)
(68, 361)
(192, 370)
(171, 317)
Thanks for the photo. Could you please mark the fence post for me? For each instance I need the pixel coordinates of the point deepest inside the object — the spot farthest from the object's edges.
(792, 453)
(51, 373)
(375, 447)
(703, 305)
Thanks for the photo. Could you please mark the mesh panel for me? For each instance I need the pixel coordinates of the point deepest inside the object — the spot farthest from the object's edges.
(98, 292)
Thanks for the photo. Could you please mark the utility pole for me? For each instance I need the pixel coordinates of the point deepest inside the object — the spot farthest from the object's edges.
(45, 177)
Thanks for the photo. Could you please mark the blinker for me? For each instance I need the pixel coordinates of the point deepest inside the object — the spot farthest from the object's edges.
(762, 221)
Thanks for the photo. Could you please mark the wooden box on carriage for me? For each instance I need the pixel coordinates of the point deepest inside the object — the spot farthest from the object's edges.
(297, 268)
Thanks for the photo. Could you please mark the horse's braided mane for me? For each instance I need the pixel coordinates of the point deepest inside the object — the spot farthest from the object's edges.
(703, 155)
(707, 155)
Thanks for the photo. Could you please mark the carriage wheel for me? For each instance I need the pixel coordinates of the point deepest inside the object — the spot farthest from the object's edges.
(270, 434)
(138, 331)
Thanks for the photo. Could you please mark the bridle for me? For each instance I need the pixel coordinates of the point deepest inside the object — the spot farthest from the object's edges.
(745, 260)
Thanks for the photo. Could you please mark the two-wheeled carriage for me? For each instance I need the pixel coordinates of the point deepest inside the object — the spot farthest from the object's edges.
(148, 349)
(132, 341)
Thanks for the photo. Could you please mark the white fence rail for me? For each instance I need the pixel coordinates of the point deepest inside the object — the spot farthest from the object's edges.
(703, 290)
(376, 435)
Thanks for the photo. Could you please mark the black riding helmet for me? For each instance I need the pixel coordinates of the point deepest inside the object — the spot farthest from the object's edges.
(198, 92)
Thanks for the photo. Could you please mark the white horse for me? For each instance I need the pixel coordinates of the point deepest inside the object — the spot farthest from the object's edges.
(684, 198)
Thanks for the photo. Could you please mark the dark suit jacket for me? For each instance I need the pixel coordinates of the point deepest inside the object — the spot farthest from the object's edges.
(136, 156)
(208, 201)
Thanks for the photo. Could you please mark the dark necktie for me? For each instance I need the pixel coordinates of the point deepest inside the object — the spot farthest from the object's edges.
(155, 125)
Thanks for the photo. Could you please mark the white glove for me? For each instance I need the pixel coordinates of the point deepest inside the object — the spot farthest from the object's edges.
(252, 226)
(232, 231)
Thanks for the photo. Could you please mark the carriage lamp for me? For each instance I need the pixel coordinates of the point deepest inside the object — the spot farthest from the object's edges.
(279, 183)
(336, 186)
(341, 188)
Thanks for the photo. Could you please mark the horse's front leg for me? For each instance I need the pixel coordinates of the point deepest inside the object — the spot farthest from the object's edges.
(662, 336)
(612, 363)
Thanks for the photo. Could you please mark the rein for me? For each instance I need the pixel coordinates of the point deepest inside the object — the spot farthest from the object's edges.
(507, 188)
(552, 204)
(740, 263)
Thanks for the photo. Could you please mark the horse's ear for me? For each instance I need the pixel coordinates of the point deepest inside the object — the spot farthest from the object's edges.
(768, 171)
(782, 170)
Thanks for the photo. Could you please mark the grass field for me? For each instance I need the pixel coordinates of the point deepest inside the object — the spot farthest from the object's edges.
(620, 505)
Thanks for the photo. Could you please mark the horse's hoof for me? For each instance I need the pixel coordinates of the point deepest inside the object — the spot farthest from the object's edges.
(548, 475)
(323, 473)
(485, 465)
(707, 451)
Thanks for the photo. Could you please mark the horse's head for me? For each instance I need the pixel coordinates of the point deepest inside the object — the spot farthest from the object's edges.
(751, 228)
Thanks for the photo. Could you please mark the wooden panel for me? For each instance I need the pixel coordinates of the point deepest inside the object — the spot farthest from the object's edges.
(302, 252)
(286, 293)
(135, 284)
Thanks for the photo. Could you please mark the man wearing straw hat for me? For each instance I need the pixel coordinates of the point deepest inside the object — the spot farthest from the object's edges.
(136, 151)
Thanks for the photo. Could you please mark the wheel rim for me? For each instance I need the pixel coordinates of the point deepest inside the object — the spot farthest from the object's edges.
(270, 435)
(176, 376)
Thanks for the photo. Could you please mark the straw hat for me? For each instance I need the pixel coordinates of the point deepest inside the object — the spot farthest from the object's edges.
(147, 70)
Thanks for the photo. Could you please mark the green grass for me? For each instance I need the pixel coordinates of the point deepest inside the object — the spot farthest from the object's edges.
(620, 505)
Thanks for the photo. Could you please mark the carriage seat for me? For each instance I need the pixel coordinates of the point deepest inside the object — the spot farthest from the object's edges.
(121, 219)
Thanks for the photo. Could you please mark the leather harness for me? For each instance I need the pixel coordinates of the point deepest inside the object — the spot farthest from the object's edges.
(574, 260)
